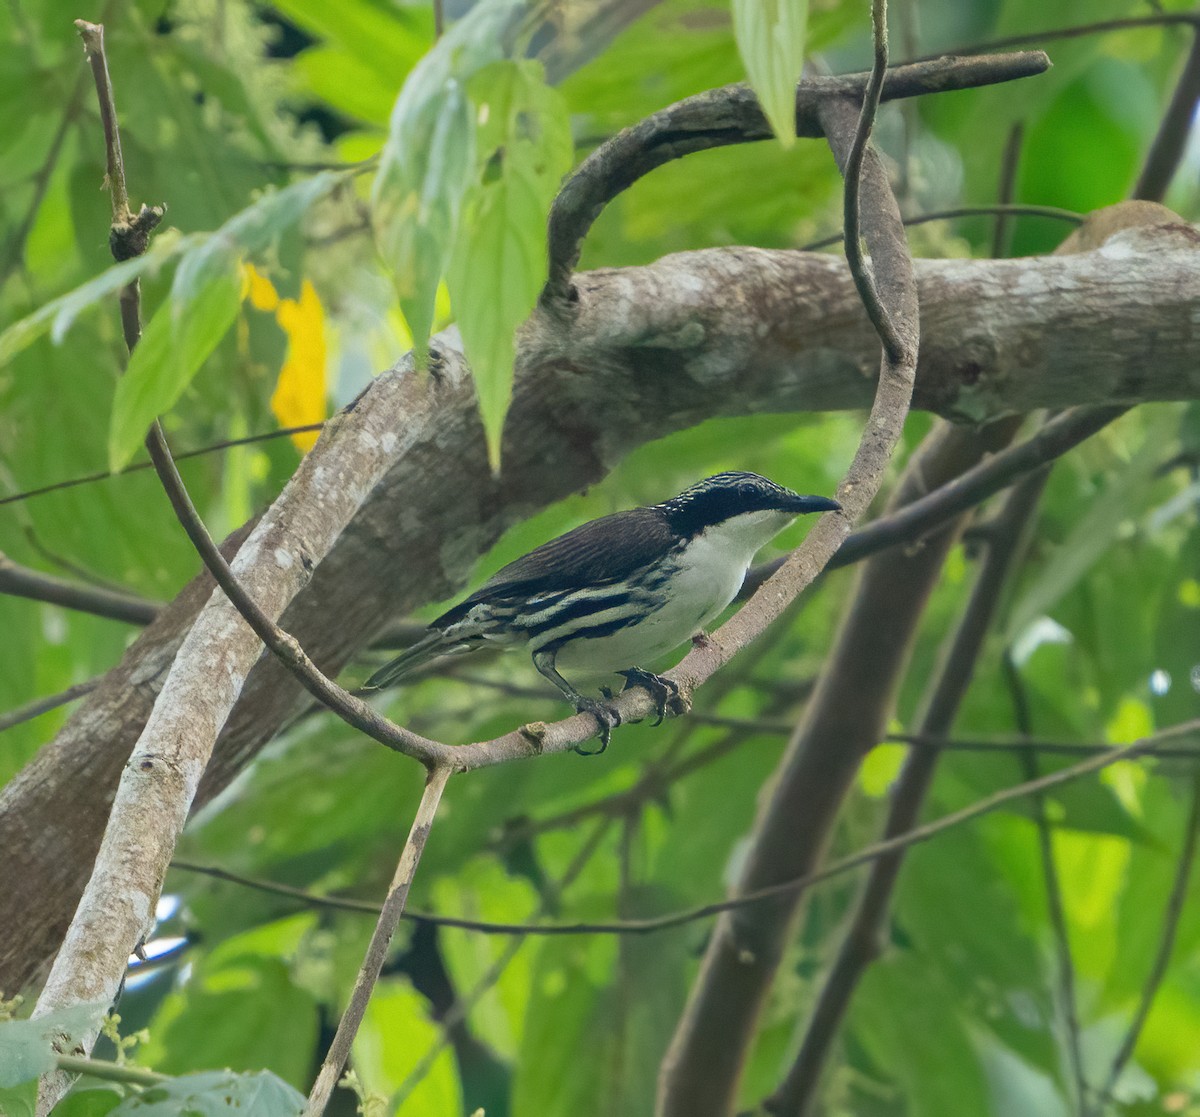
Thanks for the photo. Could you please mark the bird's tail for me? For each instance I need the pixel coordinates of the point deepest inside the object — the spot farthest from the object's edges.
(429, 647)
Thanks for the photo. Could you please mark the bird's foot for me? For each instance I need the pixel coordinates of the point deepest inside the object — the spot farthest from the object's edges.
(665, 692)
(605, 715)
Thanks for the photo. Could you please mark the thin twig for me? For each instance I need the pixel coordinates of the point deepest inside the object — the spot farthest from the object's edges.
(109, 1072)
(352, 710)
(136, 467)
(1034, 745)
(1059, 435)
(74, 974)
(20, 581)
(1166, 944)
(69, 565)
(1009, 161)
(1068, 1001)
(14, 245)
(864, 281)
(986, 805)
(457, 1012)
(1054, 213)
(1150, 746)
(1166, 152)
(303, 895)
(129, 235)
(385, 928)
(41, 706)
(92, 35)
(1056, 34)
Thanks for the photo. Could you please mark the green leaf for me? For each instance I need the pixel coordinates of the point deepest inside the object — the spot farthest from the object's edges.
(930, 1061)
(252, 230)
(216, 1094)
(427, 164)
(82, 1103)
(19, 1101)
(204, 301)
(770, 37)
(618, 1002)
(59, 314)
(27, 1046)
(258, 226)
(241, 1009)
(183, 332)
(1097, 531)
(499, 262)
(416, 203)
(396, 1034)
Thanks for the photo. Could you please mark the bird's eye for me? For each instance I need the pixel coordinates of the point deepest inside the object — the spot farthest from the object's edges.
(747, 490)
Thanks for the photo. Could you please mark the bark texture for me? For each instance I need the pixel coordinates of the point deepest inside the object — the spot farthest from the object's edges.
(650, 350)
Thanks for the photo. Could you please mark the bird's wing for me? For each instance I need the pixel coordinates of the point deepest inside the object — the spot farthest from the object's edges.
(598, 553)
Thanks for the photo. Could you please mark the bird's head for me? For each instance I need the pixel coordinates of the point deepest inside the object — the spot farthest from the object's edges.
(742, 506)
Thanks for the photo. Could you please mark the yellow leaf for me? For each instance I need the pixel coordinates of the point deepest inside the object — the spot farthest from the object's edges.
(258, 289)
(300, 393)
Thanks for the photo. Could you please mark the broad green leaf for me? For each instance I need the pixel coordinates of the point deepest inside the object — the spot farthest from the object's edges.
(204, 301)
(484, 890)
(499, 264)
(258, 226)
(1122, 500)
(930, 1058)
(241, 1009)
(396, 1033)
(251, 230)
(770, 37)
(85, 1103)
(381, 37)
(176, 342)
(619, 1002)
(19, 1101)
(59, 314)
(428, 163)
(215, 1094)
(27, 1046)
(416, 203)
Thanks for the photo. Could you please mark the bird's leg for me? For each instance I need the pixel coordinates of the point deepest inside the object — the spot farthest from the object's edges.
(605, 715)
(663, 691)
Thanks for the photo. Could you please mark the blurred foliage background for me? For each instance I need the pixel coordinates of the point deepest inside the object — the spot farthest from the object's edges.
(222, 100)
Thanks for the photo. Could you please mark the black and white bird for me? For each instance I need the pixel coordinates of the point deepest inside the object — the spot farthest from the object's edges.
(619, 591)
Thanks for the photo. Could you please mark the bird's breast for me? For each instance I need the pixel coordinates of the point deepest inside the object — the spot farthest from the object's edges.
(701, 579)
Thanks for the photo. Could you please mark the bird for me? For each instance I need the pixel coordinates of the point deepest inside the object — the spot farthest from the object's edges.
(619, 591)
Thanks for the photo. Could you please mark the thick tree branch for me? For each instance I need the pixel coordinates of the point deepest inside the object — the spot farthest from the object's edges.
(151, 809)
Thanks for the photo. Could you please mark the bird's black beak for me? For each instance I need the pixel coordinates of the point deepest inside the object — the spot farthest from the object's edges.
(806, 504)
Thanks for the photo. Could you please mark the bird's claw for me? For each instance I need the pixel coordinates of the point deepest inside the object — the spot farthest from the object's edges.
(605, 715)
(665, 692)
